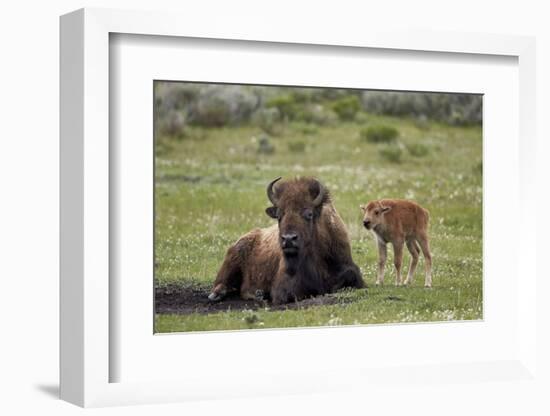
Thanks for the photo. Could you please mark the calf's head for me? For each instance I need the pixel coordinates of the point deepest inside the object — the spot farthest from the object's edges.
(297, 206)
(373, 214)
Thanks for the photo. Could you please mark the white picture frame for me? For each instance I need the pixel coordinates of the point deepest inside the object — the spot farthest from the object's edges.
(87, 356)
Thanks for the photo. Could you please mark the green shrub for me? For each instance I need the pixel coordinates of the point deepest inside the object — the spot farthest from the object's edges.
(297, 147)
(418, 149)
(347, 107)
(391, 153)
(286, 105)
(314, 114)
(213, 113)
(302, 95)
(306, 128)
(309, 130)
(379, 134)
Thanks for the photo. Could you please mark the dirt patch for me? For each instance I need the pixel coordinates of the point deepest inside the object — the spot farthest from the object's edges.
(194, 299)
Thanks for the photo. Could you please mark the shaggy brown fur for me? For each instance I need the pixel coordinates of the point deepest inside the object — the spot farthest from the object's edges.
(399, 221)
(308, 253)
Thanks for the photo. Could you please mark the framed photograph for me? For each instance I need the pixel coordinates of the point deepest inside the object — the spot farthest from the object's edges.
(244, 215)
(318, 169)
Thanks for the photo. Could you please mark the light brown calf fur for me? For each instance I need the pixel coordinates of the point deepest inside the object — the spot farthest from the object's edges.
(399, 222)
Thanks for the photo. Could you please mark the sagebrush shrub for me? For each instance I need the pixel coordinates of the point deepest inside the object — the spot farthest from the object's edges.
(379, 134)
(307, 129)
(454, 109)
(264, 145)
(172, 124)
(315, 114)
(269, 120)
(347, 107)
(285, 104)
(417, 149)
(220, 105)
(391, 153)
(297, 147)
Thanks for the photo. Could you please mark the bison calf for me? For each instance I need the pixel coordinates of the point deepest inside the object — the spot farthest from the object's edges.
(399, 222)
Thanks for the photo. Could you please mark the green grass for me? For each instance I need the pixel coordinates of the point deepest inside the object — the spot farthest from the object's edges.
(210, 189)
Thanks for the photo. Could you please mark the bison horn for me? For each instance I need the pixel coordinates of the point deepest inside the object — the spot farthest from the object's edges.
(320, 196)
(270, 193)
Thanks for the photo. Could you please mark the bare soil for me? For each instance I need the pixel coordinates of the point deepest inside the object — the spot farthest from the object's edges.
(194, 299)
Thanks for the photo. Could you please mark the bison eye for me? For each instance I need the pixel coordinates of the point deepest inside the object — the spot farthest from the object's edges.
(308, 214)
(377, 212)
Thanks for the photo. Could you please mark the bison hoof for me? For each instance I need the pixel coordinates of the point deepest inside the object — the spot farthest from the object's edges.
(214, 297)
(259, 294)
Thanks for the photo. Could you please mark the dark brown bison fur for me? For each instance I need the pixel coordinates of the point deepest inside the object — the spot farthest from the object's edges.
(306, 254)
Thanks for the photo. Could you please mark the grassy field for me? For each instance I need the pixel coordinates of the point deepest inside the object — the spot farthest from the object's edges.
(210, 189)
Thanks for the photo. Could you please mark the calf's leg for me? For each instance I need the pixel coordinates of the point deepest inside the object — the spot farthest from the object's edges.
(412, 245)
(382, 254)
(425, 246)
(398, 260)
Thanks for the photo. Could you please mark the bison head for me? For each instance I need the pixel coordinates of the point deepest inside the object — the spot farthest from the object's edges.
(373, 214)
(297, 206)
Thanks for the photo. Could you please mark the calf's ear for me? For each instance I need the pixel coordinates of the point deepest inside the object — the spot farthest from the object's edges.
(386, 209)
(363, 208)
(271, 211)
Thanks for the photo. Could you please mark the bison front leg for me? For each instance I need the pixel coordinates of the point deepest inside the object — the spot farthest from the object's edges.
(248, 293)
(349, 276)
(229, 277)
(283, 290)
(279, 297)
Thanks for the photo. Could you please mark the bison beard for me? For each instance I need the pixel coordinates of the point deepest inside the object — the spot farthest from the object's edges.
(306, 254)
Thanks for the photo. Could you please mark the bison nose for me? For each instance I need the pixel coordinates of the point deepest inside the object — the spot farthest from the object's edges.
(289, 238)
(366, 223)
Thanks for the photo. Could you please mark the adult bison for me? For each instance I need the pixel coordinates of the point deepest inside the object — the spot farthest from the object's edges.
(308, 253)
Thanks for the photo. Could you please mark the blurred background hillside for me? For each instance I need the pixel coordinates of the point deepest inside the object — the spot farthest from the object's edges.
(179, 105)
